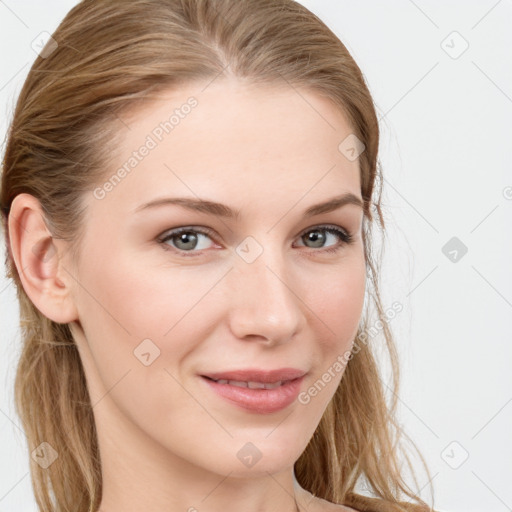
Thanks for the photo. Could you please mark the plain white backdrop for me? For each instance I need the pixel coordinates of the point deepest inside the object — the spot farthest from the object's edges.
(441, 77)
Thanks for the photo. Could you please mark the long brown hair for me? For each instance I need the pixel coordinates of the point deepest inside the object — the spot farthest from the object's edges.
(107, 56)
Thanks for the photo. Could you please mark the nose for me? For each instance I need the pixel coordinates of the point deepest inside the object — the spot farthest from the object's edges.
(264, 305)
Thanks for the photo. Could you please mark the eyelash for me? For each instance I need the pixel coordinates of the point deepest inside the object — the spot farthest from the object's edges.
(346, 238)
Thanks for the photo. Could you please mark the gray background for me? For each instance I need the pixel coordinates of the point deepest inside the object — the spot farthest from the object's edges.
(446, 120)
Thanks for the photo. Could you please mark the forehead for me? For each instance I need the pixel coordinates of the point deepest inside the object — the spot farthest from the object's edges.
(235, 141)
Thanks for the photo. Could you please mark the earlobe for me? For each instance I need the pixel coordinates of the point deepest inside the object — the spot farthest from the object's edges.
(38, 260)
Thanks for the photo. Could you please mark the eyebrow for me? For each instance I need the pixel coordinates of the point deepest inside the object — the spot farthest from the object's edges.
(221, 210)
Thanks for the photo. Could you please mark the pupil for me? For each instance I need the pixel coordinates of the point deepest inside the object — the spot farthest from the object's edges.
(315, 238)
(183, 238)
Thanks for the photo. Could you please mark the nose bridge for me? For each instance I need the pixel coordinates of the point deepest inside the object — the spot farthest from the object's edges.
(264, 302)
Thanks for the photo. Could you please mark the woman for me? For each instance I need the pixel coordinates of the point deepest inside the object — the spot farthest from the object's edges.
(184, 347)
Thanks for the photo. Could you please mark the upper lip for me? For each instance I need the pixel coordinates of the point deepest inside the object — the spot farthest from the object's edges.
(258, 375)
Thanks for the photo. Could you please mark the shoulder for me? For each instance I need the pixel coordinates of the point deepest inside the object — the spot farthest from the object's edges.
(311, 503)
(367, 504)
(326, 506)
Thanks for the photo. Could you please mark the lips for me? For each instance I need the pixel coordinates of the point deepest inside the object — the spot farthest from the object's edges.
(258, 391)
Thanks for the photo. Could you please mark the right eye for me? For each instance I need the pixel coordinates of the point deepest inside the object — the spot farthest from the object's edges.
(185, 240)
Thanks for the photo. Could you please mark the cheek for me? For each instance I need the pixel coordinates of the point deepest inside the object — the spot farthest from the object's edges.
(126, 305)
(336, 308)
(338, 301)
(139, 301)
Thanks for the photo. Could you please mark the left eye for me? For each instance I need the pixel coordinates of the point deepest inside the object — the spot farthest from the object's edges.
(187, 239)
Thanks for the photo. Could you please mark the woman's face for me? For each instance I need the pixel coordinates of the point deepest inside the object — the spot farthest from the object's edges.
(267, 288)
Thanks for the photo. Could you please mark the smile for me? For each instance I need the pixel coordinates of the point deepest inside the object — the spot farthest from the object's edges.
(256, 397)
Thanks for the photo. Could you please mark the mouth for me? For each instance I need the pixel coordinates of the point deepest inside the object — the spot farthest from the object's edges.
(256, 396)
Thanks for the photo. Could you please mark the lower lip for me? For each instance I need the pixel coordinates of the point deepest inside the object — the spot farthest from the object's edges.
(262, 401)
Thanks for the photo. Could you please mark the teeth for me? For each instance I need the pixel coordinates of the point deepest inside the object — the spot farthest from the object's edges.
(251, 385)
(256, 385)
(238, 383)
(272, 385)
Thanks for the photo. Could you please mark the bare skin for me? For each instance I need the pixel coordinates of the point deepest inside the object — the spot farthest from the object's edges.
(168, 442)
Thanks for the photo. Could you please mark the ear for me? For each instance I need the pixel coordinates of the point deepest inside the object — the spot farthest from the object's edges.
(39, 260)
